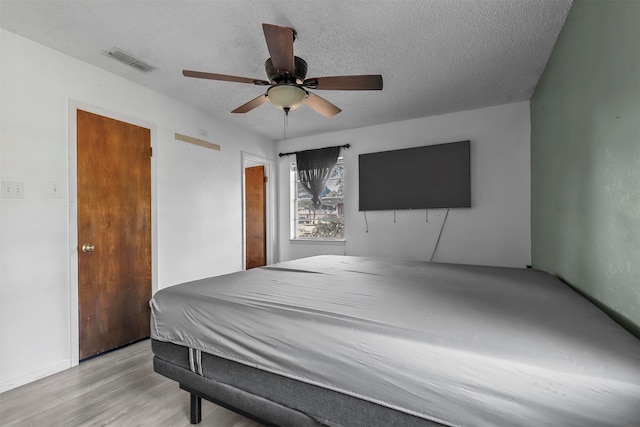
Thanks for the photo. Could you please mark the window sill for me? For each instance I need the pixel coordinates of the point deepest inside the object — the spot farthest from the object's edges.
(336, 242)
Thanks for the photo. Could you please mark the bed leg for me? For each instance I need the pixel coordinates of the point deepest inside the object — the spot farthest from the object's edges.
(196, 409)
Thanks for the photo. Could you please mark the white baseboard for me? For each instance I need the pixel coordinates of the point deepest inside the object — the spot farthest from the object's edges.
(12, 383)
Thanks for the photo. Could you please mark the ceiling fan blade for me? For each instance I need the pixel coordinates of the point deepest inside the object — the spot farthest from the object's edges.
(254, 103)
(321, 105)
(280, 45)
(224, 77)
(362, 82)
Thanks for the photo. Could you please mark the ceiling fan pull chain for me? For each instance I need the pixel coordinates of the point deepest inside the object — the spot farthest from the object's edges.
(286, 122)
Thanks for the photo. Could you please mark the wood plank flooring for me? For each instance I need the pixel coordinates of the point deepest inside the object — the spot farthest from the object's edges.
(115, 389)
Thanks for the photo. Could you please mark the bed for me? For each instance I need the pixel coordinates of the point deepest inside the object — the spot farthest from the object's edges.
(357, 341)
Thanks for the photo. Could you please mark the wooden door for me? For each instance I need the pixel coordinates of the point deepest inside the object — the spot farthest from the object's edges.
(114, 221)
(255, 217)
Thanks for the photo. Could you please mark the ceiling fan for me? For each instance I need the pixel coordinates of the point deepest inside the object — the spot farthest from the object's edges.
(288, 85)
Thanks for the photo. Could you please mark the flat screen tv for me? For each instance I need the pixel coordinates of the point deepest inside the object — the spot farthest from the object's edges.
(433, 176)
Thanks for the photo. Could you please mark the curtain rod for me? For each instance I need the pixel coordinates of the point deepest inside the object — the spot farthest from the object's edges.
(296, 152)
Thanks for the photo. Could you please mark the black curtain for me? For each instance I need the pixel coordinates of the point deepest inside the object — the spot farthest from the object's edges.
(314, 169)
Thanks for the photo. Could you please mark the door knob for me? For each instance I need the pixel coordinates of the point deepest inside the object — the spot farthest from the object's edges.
(87, 247)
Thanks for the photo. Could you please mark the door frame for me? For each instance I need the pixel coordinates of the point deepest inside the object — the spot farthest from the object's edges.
(249, 160)
(73, 105)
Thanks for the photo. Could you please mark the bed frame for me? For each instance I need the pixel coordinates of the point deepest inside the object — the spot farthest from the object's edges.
(270, 399)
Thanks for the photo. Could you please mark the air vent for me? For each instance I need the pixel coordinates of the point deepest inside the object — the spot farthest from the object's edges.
(131, 61)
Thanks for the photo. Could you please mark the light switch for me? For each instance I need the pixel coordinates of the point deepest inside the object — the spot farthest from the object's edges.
(54, 190)
(12, 190)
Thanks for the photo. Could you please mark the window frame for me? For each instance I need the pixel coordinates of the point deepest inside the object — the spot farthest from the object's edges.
(293, 204)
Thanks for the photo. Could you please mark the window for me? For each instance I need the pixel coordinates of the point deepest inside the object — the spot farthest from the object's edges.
(326, 222)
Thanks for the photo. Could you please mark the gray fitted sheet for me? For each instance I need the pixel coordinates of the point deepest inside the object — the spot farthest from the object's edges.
(459, 345)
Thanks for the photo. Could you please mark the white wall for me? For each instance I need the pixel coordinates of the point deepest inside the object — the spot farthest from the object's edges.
(196, 198)
(197, 195)
(495, 231)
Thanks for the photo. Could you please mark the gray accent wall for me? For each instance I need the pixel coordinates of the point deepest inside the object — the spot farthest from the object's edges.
(585, 158)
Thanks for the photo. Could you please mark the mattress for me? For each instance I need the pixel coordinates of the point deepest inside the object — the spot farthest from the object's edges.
(454, 344)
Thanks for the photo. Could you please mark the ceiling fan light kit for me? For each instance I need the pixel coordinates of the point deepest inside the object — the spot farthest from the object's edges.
(286, 97)
(287, 78)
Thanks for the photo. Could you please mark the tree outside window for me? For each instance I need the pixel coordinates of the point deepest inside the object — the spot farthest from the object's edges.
(326, 222)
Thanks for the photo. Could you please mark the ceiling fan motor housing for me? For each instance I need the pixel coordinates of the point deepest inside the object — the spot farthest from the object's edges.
(298, 76)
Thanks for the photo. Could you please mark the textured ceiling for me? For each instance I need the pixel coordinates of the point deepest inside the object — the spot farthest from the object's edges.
(435, 56)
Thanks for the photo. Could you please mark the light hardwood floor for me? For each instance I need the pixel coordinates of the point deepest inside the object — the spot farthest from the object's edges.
(115, 389)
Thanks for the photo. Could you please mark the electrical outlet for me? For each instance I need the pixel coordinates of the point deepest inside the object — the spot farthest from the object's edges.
(12, 190)
(54, 190)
